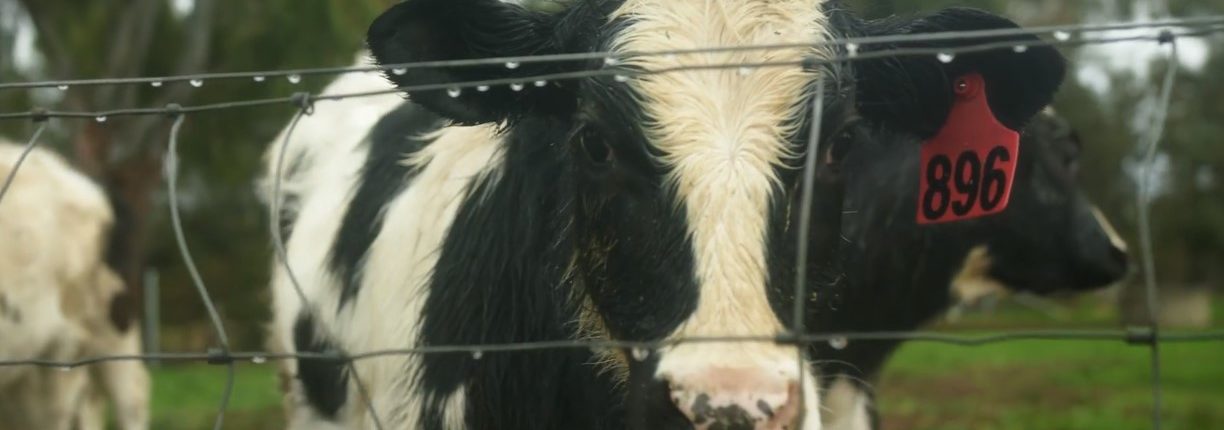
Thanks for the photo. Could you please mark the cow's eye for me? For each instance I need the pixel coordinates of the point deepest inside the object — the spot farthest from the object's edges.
(1072, 165)
(595, 148)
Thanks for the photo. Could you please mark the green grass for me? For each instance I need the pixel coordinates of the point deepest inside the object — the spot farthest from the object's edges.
(1072, 385)
(1051, 385)
(186, 397)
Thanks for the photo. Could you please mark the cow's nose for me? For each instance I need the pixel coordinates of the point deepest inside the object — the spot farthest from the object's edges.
(737, 399)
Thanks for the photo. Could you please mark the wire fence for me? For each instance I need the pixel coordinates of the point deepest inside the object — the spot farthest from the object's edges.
(1164, 32)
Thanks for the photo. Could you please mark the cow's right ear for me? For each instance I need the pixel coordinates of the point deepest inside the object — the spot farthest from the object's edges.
(914, 93)
(442, 30)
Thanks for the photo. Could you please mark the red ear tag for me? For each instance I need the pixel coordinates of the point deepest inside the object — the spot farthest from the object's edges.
(968, 167)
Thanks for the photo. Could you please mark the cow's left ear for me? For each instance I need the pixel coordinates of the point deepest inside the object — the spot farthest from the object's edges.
(915, 92)
(442, 30)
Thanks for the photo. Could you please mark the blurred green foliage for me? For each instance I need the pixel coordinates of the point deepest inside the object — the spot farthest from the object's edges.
(220, 150)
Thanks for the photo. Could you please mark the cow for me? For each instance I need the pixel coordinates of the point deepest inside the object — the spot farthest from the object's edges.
(625, 206)
(57, 288)
(900, 275)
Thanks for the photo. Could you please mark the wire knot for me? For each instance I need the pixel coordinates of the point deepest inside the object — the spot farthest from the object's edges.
(174, 110)
(218, 356)
(1141, 335)
(39, 114)
(811, 63)
(1166, 37)
(788, 338)
(304, 101)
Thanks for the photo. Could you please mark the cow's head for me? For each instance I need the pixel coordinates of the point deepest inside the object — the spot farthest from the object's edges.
(684, 184)
(1051, 238)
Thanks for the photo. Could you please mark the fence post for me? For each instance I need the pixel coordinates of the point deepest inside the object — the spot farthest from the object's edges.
(152, 310)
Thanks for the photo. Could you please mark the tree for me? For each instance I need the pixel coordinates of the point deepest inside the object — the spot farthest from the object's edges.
(129, 38)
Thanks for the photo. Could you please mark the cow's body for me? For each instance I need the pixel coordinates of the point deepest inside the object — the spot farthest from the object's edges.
(56, 292)
(900, 275)
(645, 209)
(410, 170)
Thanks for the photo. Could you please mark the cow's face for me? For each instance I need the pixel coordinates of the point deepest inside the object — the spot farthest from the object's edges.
(1051, 237)
(682, 185)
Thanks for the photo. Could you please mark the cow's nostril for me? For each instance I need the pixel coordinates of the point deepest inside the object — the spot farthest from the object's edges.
(739, 409)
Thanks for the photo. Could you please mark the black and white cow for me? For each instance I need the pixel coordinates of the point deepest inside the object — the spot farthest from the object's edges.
(655, 208)
(900, 275)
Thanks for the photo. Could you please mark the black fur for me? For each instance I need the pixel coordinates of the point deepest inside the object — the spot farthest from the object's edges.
(325, 382)
(648, 404)
(416, 31)
(501, 277)
(520, 228)
(839, 131)
(898, 273)
(915, 92)
(554, 205)
(631, 228)
(384, 175)
(578, 214)
(123, 309)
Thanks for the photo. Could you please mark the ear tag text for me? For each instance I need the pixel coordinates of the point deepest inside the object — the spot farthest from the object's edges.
(968, 167)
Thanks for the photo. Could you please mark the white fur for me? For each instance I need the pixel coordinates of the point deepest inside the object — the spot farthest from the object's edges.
(1115, 239)
(325, 145)
(846, 407)
(724, 133)
(55, 223)
(400, 259)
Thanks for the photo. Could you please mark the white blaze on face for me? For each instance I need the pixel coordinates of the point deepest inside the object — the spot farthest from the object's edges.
(1115, 239)
(724, 132)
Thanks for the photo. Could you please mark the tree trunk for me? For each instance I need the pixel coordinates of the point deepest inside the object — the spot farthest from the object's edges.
(131, 185)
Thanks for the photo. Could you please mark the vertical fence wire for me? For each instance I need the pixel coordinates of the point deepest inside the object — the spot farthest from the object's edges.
(305, 107)
(801, 254)
(176, 223)
(1144, 202)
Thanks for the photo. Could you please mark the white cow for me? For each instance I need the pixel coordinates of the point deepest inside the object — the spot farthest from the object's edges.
(55, 295)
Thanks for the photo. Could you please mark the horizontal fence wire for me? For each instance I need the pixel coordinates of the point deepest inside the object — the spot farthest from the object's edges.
(1207, 27)
(1138, 336)
(854, 49)
(1059, 32)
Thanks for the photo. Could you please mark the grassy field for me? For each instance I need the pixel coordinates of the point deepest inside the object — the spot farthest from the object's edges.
(187, 397)
(1018, 385)
(1051, 385)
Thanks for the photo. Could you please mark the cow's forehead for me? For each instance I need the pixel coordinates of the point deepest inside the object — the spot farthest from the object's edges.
(723, 133)
(740, 118)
